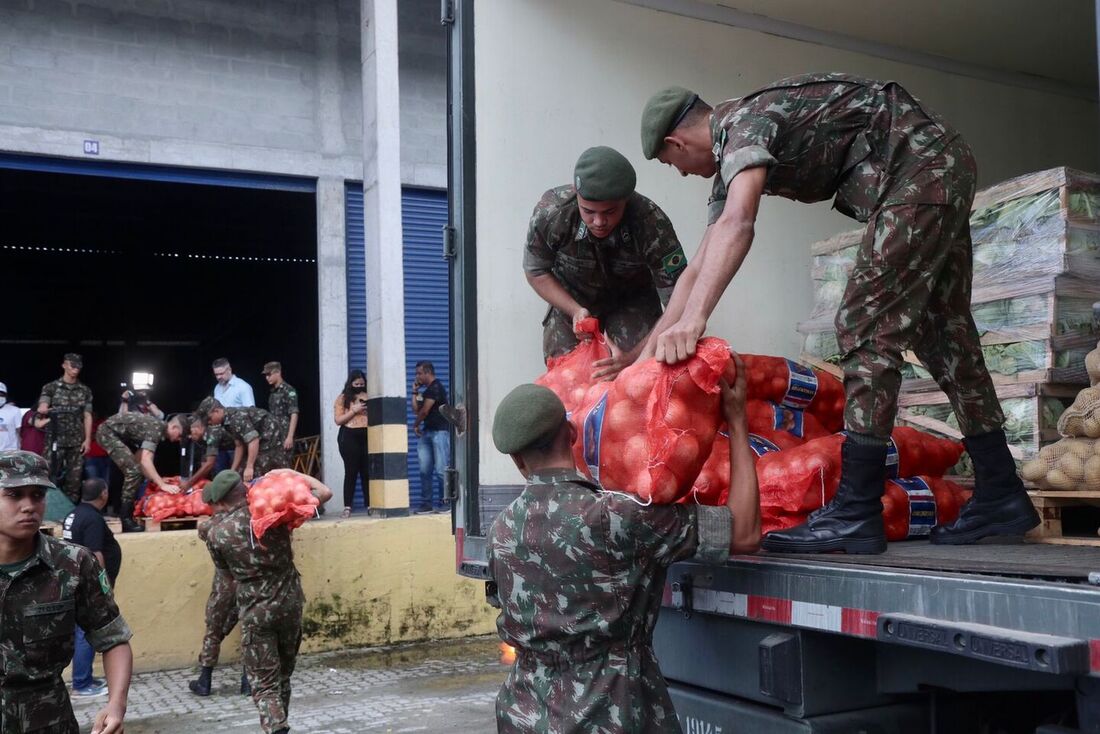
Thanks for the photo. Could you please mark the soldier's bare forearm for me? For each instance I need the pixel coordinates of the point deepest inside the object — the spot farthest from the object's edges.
(253, 452)
(293, 426)
(551, 291)
(118, 664)
(744, 495)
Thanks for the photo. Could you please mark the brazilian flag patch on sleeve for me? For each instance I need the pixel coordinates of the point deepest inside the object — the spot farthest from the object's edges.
(674, 262)
(104, 583)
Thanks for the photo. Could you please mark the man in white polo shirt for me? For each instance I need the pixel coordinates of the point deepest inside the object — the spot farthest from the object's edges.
(231, 391)
(10, 417)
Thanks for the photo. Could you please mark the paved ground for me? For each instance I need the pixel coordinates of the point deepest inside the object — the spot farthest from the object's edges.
(431, 687)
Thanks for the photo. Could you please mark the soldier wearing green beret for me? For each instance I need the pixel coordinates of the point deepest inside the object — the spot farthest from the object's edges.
(578, 574)
(887, 160)
(599, 248)
(48, 588)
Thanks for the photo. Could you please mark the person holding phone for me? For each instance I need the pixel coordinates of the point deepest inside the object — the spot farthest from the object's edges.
(350, 413)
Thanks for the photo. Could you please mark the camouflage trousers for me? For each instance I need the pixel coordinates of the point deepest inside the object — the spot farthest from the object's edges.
(910, 289)
(221, 617)
(626, 323)
(123, 456)
(67, 462)
(270, 651)
(44, 709)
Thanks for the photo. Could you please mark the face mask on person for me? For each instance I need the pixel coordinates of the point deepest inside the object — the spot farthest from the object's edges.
(3, 400)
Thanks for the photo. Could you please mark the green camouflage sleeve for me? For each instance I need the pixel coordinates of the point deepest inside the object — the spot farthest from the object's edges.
(244, 427)
(96, 610)
(211, 442)
(538, 257)
(663, 253)
(661, 533)
(292, 400)
(87, 399)
(745, 141)
(47, 395)
(715, 533)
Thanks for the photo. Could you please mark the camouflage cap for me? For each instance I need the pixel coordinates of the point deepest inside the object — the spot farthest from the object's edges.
(662, 113)
(270, 367)
(74, 359)
(23, 468)
(222, 485)
(528, 416)
(604, 174)
(208, 404)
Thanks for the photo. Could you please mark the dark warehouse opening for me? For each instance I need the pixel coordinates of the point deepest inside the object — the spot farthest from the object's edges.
(160, 277)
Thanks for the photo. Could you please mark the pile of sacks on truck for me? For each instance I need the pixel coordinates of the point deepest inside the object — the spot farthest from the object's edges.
(656, 431)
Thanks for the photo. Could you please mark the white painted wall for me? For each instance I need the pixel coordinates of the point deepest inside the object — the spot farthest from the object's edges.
(554, 78)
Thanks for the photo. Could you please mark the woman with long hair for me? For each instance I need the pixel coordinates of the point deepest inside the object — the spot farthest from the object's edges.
(350, 413)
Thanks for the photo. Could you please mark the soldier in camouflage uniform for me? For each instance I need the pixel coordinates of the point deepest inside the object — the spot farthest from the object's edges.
(282, 403)
(47, 587)
(579, 573)
(599, 248)
(221, 618)
(203, 437)
(68, 401)
(269, 594)
(889, 161)
(126, 434)
(255, 432)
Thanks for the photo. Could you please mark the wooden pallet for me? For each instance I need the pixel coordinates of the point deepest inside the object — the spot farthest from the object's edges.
(173, 523)
(1058, 508)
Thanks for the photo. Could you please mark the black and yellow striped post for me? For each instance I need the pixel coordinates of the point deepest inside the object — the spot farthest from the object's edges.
(388, 450)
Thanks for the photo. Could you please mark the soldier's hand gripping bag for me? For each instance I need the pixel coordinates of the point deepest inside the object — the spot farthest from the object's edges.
(649, 431)
(570, 375)
(792, 385)
(280, 497)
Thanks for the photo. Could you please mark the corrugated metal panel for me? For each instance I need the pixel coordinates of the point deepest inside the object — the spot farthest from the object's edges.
(427, 298)
(144, 172)
(356, 275)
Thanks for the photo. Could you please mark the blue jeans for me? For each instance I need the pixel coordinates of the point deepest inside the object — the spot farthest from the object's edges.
(83, 655)
(98, 467)
(223, 462)
(433, 451)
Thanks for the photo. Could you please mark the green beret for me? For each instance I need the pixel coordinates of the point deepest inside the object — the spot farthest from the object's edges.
(661, 114)
(604, 174)
(528, 416)
(222, 485)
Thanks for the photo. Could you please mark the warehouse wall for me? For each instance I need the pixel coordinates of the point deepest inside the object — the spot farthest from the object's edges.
(556, 78)
(366, 582)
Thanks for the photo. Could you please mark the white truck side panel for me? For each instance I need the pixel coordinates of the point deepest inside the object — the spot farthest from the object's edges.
(553, 78)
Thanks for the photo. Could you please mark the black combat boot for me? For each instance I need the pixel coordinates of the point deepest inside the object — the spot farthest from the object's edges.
(129, 524)
(201, 686)
(1000, 505)
(852, 522)
(246, 688)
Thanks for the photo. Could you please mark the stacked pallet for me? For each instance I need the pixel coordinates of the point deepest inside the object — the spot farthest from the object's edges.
(1036, 278)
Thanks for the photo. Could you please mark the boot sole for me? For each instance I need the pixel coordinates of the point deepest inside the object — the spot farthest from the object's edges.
(863, 546)
(1001, 530)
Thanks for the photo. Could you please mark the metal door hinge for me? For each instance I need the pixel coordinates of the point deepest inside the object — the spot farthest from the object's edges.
(450, 235)
(450, 483)
(681, 595)
(446, 12)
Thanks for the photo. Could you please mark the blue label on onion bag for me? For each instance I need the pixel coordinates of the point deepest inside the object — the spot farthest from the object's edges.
(922, 506)
(760, 445)
(801, 386)
(892, 460)
(593, 430)
(787, 419)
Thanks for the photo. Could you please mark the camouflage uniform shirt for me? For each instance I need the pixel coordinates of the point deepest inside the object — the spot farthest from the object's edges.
(73, 401)
(245, 425)
(580, 574)
(282, 403)
(641, 254)
(62, 586)
(137, 429)
(268, 585)
(867, 143)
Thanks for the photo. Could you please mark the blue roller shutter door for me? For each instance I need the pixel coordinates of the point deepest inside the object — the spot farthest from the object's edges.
(356, 275)
(427, 291)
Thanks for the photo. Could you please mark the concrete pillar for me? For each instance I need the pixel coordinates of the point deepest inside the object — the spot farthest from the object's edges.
(332, 313)
(387, 438)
